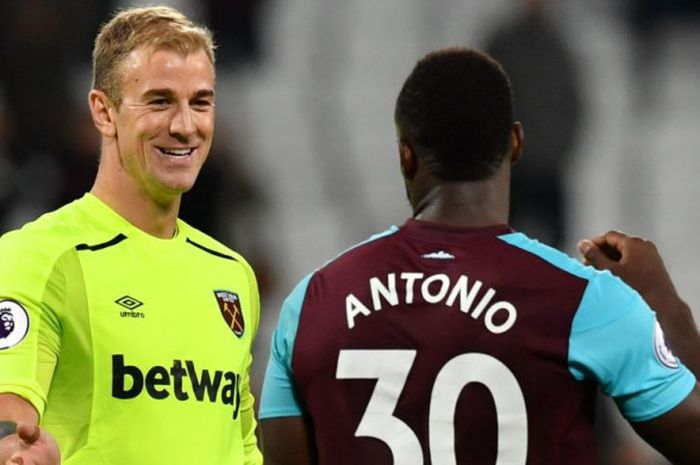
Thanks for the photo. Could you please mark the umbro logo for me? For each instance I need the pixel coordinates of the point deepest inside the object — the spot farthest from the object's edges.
(130, 304)
(439, 255)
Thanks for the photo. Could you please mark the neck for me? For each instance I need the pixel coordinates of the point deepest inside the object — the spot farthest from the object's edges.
(157, 218)
(467, 204)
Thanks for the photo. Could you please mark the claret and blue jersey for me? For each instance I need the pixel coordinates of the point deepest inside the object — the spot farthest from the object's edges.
(432, 344)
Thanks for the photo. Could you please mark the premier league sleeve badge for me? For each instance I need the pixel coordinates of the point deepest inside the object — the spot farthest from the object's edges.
(14, 323)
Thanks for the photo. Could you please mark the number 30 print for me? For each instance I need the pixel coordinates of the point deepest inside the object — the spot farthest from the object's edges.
(391, 367)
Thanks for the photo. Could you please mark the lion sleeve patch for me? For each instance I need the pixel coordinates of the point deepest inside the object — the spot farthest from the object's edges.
(14, 323)
(661, 349)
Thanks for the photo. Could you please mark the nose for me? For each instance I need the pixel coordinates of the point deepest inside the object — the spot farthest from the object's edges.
(182, 124)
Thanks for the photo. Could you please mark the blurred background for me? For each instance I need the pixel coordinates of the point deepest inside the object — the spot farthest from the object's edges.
(305, 161)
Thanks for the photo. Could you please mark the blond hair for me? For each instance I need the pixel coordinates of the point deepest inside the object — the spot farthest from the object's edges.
(155, 28)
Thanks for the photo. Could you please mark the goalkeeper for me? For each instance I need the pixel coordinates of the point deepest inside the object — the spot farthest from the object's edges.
(126, 333)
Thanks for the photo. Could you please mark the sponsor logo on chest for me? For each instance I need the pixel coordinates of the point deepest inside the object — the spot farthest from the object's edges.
(182, 381)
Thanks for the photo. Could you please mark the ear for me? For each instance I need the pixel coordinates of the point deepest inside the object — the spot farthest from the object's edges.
(407, 158)
(516, 144)
(103, 113)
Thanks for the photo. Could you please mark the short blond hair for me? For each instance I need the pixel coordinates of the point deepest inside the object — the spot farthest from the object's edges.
(155, 28)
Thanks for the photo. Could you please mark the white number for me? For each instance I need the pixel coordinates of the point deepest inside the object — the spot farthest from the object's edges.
(391, 367)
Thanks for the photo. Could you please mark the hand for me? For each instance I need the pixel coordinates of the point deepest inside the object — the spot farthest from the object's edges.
(637, 262)
(30, 446)
(633, 259)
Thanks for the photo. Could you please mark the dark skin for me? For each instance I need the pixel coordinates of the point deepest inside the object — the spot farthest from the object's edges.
(637, 262)
(289, 441)
(469, 204)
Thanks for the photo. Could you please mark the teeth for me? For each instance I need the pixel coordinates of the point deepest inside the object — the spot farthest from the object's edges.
(177, 152)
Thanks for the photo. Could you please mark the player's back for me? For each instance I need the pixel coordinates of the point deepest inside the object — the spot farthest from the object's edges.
(442, 345)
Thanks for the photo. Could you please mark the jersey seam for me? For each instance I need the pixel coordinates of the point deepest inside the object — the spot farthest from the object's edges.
(210, 251)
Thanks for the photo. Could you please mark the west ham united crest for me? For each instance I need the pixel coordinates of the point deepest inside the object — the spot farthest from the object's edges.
(230, 307)
(14, 323)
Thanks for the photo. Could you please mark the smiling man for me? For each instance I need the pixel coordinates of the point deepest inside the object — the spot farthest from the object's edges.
(100, 357)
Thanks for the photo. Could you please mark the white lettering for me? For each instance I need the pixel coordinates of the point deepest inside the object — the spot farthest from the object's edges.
(507, 324)
(444, 287)
(483, 303)
(466, 295)
(434, 289)
(410, 279)
(354, 307)
(388, 292)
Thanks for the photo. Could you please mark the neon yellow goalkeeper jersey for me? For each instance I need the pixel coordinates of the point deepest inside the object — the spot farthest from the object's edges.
(135, 350)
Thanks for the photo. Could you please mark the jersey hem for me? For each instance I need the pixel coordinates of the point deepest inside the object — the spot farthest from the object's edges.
(690, 383)
(269, 415)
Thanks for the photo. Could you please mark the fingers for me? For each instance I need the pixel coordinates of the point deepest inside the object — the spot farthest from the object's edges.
(594, 255)
(28, 432)
(612, 238)
(607, 249)
(30, 446)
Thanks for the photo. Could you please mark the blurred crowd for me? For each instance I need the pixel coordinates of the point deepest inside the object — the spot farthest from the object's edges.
(48, 145)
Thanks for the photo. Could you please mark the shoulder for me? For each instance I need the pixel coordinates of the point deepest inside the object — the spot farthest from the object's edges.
(210, 246)
(550, 255)
(606, 297)
(357, 254)
(217, 261)
(51, 235)
(31, 254)
(370, 248)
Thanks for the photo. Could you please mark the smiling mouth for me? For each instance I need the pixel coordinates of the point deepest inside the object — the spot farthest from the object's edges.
(176, 152)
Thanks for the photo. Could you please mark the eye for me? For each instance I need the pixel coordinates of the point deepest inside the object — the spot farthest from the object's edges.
(158, 102)
(203, 104)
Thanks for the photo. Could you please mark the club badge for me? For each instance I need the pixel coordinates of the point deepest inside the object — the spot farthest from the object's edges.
(230, 307)
(14, 323)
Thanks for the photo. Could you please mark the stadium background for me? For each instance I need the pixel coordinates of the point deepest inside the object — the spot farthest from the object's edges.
(305, 161)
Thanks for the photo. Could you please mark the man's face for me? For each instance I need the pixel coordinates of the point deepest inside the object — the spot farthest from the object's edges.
(165, 122)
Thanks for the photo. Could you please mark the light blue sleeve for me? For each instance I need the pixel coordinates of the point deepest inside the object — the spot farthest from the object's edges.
(616, 341)
(278, 398)
(624, 350)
